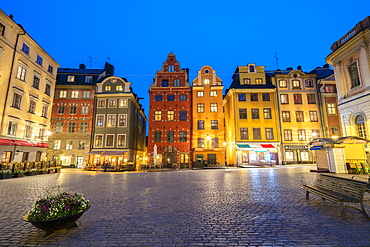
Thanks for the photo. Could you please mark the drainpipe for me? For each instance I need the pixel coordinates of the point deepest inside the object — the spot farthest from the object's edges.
(9, 81)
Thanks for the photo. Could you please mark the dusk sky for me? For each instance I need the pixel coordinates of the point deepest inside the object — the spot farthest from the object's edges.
(136, 36)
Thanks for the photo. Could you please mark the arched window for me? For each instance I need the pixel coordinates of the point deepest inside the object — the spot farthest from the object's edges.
(360, 125)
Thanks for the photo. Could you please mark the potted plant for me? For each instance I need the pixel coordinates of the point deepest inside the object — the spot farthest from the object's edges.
(57, 210)
(32, 172)
(18, 173)
(43, 171)
(57, 169)
(50, 170)
(4, 174)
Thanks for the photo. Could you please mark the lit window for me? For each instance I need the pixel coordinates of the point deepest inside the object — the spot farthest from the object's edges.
(301, 135)
(200, 142)
(157, 115)
(74, 94)
(296, 83)
(122, 120)
(119, 88)
(200, 94)
(108, 88)
(214, 124)
(101, 103)
(122, 103)
(332, 109)
(98, 142)
(288, 135)
(246, 81)
(259, 81)
(32, 106)
(111, 121)
(313, 116)
(269, 133)
(57, 144)
(71, 78)
(112, 103)
(214, 107)
(284, 99)
(62, 94)
(58, 127)
(28, 131)
(286, 116)
(267, 113)
(81, 144)
(85, 110)
(299, 116)
(69, 144)
(214, 142)
(45, 109)
(100, 120)
(21, 73)
(283, 83)
(213, 93)
(206, 81)
(170, 115)
(121, 140)
(360, 125)
(200, 107)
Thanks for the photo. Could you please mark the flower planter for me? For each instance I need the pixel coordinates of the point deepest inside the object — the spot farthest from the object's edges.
(5, 176)
(43, 172)
(50, 171)
(31, 173)
(18, 175)
(50, 226)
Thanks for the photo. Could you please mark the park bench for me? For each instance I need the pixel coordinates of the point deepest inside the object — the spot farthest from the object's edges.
(339, 190)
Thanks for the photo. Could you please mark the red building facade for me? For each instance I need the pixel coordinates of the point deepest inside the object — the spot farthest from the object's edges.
(170, 117)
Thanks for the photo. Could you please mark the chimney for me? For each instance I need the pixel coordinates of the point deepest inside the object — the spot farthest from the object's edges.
(289, 68)
(82, 66)
(299, 67)
(326, 66)
(109, 68)
(11, 16)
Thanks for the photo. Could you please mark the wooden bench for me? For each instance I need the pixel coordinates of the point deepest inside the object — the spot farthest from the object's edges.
(339, 190)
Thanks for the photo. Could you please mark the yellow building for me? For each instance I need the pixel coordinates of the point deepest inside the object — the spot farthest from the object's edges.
(299, 114)
(208, 120)
(251, 120)
(27, 78)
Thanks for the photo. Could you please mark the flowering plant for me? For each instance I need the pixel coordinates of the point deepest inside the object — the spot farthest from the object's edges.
(57, 204)
(19, 171)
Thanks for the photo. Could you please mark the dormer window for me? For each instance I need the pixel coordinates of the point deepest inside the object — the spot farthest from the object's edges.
(206, 81)
(252, 68)
(246, 81)
(296, 84)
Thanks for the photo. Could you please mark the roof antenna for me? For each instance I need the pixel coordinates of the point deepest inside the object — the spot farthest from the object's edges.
(276, 57)
(90, 61)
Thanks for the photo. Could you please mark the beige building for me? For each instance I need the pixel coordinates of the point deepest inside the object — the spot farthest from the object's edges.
(350, 58)
(27, 78)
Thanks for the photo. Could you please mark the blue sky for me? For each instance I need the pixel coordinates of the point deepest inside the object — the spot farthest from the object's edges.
(138, 35)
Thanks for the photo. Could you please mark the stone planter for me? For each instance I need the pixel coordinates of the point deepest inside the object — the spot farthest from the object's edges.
(5, 176)
(50, 171)
(50, 226)
(43, 172)
(18, 175)
(31, 173)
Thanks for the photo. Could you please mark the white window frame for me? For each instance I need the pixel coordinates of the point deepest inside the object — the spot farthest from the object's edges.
(69, 144)
(124, 144)
(124, 116)
(57, 144)
(86, 94)
(74, 95)
(62, 94)
(106, 140)
(101, 140)
(111, 121)
(84, 110)
(14, 128)
(122, 103)
(21, 72)
(28, 129)
(103, 120)
(112, 103)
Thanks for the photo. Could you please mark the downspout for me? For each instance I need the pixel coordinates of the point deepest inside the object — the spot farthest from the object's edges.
(10, 78)
(277, 100)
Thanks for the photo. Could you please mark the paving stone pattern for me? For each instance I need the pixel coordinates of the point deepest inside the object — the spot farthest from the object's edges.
(233, 207)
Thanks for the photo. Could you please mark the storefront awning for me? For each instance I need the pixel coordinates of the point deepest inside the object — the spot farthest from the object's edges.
(94, 152)
(6, 142)
(243, 145)
(267, 145)
(24, 143)
(105, 153)
(316, 147)
(42, 145)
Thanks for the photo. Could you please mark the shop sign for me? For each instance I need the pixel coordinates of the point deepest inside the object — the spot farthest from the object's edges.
(301, 147)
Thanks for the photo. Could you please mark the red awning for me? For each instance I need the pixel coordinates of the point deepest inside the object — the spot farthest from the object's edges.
(6, 142)
(267, 146)
(24, 143)
(42, 145)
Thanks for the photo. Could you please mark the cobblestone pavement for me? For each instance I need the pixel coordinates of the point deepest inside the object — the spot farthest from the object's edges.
(233, 207)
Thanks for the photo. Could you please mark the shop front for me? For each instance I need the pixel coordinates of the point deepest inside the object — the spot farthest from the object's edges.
(296, 154)
(109, 161)
(257, 154)
(22, 151)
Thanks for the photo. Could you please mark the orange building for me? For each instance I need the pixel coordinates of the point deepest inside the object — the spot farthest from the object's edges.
(208, 120)
(169, 134)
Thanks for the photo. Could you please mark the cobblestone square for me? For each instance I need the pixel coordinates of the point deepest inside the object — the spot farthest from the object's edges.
(221, 207)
